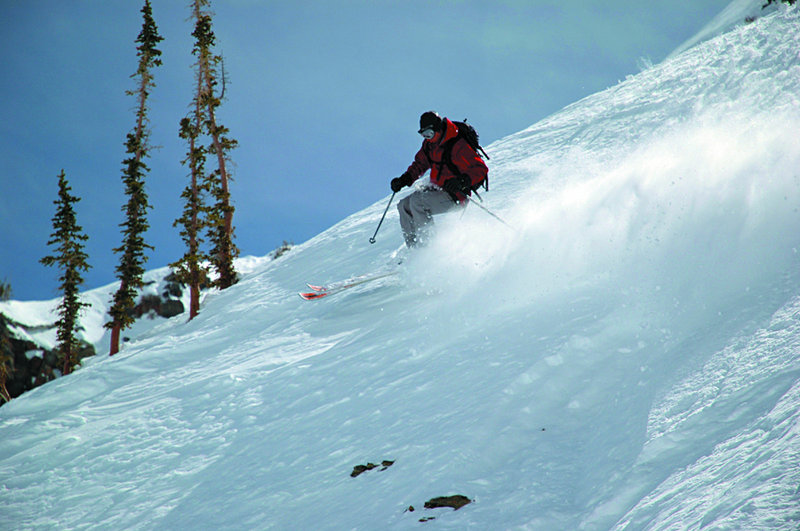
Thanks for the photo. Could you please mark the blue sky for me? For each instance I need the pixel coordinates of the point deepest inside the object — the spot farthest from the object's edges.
(324, 98)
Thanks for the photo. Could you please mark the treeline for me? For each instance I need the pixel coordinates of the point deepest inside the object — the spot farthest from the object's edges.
(206, 224)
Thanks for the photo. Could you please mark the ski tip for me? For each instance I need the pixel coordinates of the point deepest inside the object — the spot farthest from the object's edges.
(316, 288)
(312, 296)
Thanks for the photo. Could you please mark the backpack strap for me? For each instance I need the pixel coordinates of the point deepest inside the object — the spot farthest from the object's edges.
(445, 155)
(447, 158)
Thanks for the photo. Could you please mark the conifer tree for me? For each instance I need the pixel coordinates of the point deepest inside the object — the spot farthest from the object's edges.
(71, 259)
(5, 291)
(132, 257)
(6, 362)
(191, 269)
(220, 215)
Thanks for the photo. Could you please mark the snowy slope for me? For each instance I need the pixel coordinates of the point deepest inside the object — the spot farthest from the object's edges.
(39, 317)
(627, 358)
(737, 13)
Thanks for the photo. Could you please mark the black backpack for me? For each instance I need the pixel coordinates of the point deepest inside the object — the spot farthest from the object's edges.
(468, 133)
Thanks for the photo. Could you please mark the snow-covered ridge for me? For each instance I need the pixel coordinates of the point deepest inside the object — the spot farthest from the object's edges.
(625, 359)
(39, 317)
(738, 13)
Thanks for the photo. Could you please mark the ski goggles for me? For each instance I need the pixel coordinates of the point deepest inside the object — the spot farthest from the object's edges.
(427, 133)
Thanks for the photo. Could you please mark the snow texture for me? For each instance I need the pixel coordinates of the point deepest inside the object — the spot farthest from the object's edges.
(628, 357)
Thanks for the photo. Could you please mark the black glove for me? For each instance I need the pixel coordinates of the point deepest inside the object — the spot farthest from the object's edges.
(398, 183)
(457, 185)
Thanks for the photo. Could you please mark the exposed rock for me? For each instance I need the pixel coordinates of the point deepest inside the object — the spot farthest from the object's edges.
(173, 288)
(456, 502)
(171, 308)
(155, 305)
(147, 304)
(360, 469)
(30, 365)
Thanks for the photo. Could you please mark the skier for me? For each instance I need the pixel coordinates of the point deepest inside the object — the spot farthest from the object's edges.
(456, 170)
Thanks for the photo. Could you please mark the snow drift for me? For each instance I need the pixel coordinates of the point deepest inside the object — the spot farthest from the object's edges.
(626, 357)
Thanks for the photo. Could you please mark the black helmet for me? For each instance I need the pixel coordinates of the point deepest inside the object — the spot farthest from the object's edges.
(430, 120)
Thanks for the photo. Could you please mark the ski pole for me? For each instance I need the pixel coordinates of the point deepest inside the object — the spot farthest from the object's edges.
(495, 216)
(372, 240)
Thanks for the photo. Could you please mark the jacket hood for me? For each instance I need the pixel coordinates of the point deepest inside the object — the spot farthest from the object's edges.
(450, 130)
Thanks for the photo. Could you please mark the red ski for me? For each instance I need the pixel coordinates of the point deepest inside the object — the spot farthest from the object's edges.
(319, 292)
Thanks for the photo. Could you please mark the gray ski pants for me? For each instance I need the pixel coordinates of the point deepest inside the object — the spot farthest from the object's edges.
(417, 210)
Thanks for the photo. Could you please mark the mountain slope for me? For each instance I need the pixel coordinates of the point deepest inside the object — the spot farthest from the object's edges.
(625, 358)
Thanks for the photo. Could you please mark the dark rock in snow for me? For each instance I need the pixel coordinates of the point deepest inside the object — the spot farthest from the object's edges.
(153, 304)
(456, 502)
(171, 308)
(29, 364)
(360, 469)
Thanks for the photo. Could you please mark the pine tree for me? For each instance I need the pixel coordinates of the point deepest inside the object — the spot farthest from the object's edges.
(220, 215)
(5, 291)
(6, 362)
(191, 269)
(132, 257)
(71, 259)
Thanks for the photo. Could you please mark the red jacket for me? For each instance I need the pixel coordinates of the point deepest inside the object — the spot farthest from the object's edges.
(465, 159)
